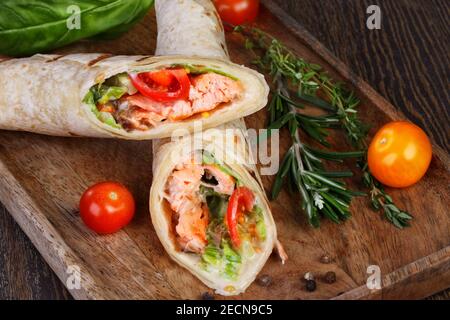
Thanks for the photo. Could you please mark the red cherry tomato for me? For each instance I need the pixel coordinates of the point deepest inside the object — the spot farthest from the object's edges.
(236, 12)
(242, 200)
(107, 207)
(163, 85)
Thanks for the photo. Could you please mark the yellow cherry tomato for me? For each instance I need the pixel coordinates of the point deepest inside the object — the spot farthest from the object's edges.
(399, 154)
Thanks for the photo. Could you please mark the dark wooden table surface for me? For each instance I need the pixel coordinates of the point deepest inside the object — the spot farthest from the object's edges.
(406, 61)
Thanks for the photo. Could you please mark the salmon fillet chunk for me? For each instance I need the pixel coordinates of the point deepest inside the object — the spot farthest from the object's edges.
(182, 193)
(211, 89)
(190, 211)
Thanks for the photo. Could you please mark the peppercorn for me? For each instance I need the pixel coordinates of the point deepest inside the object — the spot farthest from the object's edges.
(264, 280)
(308, 276)
(207, 296)
(325, 259)
(330, 277)
(310, 285)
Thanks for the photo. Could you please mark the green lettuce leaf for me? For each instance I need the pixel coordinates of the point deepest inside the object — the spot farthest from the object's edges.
(260, 224)
(193, 69)
(101, 93)
(217, 203)
(212, 255)
(232, 261)
(122, 80)
(107, 93)
(108, 119)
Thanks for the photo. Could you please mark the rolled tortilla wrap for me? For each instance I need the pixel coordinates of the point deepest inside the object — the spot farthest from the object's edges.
(230, 150)
(190, 28)
(47, 94)
(204, 25)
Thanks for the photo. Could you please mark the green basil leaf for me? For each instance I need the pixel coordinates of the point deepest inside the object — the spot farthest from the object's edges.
(32, 26)
(123, 28)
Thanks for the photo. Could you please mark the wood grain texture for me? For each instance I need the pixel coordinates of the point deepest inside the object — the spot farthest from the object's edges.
(348, 248)
(406, 61)
(23, 272)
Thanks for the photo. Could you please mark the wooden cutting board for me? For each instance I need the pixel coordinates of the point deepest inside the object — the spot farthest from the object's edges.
(42, 178)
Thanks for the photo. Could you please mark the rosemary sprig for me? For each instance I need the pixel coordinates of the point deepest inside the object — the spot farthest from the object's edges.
(303, 165)
(380, 200)
(315, 87)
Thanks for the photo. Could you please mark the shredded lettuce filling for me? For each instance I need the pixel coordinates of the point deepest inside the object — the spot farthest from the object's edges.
(196, 69)
(111, 90)
(217, 203)
(219, 253)
(102, 94)
(122, 80)
(260, 225)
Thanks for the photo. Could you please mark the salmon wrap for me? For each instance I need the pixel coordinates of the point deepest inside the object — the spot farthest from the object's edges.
(207, 202)
(130, 97)
(209, 208)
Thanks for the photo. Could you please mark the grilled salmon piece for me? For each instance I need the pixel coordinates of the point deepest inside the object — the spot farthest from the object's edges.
(191, 229)
(148, 104)
(136, 118)
(183, 196)
(208, 90)
(180, 110)
(190, 213)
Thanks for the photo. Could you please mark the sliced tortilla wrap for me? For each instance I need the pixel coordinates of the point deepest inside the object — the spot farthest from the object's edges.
(171, 154)
(45, 93)
(206, 34)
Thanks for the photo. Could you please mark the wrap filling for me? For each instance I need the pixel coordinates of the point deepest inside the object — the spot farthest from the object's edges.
(141, 101)
(214, 215)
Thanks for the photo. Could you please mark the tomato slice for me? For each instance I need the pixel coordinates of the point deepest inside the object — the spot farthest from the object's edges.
(163, 85)
(242, 200)
(162, 77)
